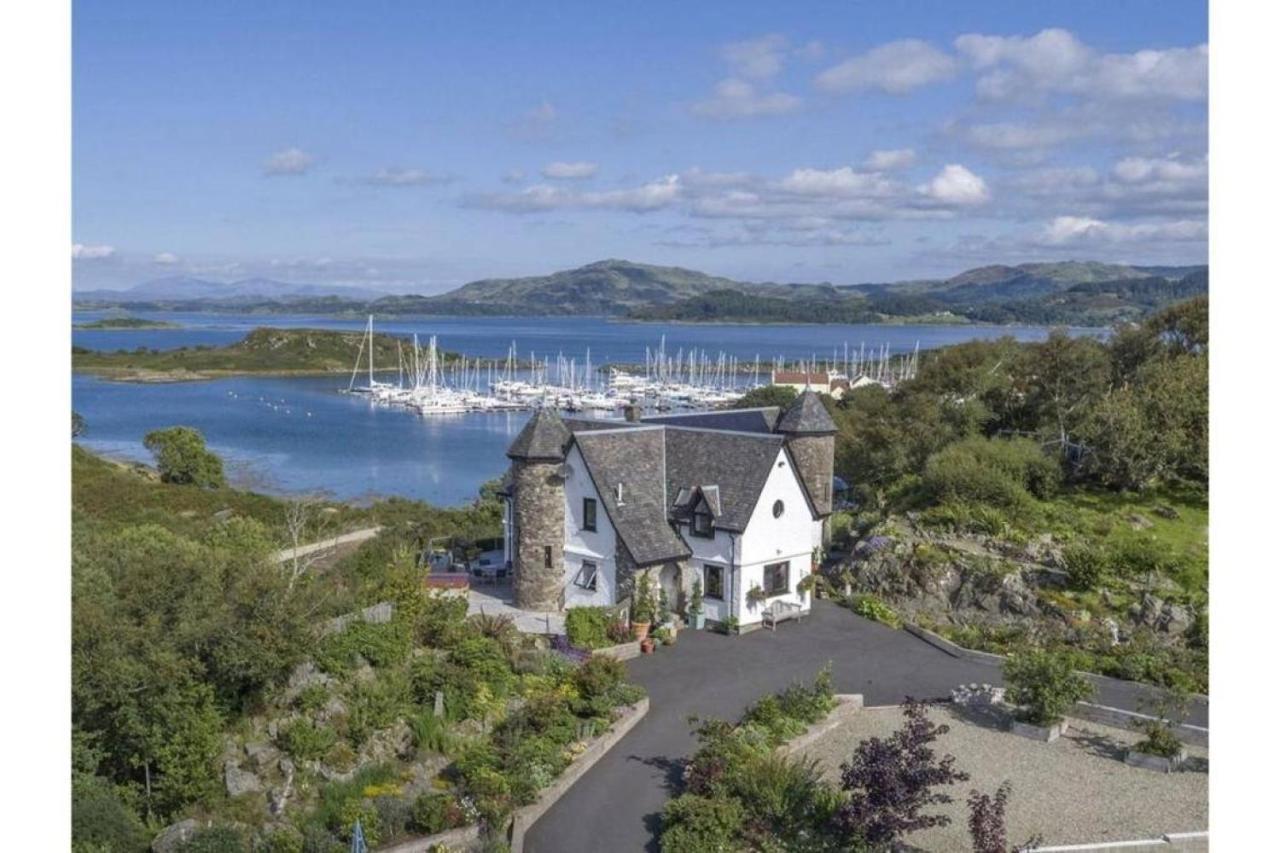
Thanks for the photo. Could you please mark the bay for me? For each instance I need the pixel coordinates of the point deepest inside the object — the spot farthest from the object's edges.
(300, 434)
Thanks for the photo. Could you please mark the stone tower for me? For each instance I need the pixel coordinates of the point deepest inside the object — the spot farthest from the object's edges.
(811, 437)
(537, 482)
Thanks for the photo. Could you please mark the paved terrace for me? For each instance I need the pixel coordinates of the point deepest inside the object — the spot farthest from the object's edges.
(617, 805)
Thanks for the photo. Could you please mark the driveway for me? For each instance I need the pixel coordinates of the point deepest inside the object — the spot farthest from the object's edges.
(616, 806)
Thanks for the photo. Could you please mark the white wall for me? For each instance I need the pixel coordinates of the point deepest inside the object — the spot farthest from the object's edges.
(720, 552)
(599, 547)
(790, 537)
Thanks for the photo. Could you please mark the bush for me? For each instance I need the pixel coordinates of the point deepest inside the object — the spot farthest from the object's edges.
(1085, 566)
(215, 839)
(306, 741)
(869, 607)
(1001, 472)
(597, 680)
(694, 824)
(785, 714)
(374, 706)
(101, 819)
(588, 627)
(1043, 685)
(381, 645)
(181, 457)
(434, 813)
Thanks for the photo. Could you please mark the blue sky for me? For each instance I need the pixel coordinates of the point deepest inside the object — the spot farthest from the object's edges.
(415, 146)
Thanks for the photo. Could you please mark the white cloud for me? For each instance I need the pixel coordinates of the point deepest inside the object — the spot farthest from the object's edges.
(641, 199)
(844, 181)
(958, 186)
(570, 171)
(513, 176)
(734, 98)
(91, 252)
(165, 259)
(395, 177)
(290, 161)
(757, 58)
(1055, 61)
(1084, 230)
(896, 68)
(889, 159)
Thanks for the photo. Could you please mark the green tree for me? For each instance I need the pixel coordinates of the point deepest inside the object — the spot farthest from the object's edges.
(767, 395)
(1063, 377)
(182, 457)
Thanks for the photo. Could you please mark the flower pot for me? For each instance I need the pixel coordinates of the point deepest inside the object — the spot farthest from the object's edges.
(699, 621)
(646, 645)
(1047, 734)
(640, 630)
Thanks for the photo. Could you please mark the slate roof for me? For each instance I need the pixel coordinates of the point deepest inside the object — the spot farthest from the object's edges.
(738, 420)
(737, 463)
(806, 416)
(544, 437)
(634, 458)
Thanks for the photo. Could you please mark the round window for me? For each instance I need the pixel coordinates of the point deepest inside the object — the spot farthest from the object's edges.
(777, 509)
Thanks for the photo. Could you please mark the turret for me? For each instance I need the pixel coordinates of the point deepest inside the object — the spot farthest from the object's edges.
(538, 503)
(811, 437)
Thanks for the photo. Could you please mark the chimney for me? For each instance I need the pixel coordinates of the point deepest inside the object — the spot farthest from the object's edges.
(631, 412)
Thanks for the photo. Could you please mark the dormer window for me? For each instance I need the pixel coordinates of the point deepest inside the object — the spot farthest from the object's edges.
(589, 514)
(701, 525)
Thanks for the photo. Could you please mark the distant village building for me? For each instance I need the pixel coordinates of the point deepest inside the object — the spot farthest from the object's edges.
(736, 499)
(822, 381)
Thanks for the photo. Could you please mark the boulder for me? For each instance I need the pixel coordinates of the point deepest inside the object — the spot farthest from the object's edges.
(335, 707)
(1174, 619)
(239, 781)
(174, 836)
(1166, 511)
(304, 675)
(261, 755)
(1017, 597)
(1139, 521)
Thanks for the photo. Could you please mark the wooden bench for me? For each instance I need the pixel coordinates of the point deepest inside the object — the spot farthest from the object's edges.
(780, 611)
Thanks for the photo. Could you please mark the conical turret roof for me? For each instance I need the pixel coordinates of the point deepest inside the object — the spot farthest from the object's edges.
(806, 416)
(544, 437)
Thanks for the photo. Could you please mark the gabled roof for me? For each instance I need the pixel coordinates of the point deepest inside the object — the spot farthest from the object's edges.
(737, 464)
(737, 420)
(633, 458)
(544, 437)
(806, 416)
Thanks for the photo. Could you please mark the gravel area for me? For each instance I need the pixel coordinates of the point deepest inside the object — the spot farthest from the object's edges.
(1072, 791)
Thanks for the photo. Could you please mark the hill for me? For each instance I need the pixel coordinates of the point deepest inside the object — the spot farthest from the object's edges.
(619, 288)
(188, 288)
(263, 350)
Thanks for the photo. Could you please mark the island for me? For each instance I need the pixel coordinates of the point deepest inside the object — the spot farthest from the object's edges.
(128, 323)
(263, 351)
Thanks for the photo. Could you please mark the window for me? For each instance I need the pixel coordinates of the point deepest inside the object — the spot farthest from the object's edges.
(589, 514)
(777, 579)
(777, 509)
(702, 524)
(713, 582)
(587, 576)
(546, 556)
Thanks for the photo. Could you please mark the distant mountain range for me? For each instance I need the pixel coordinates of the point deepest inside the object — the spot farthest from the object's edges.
(187, 288)
(1071, 292)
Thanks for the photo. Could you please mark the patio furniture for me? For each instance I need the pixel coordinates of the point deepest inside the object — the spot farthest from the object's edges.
(780, 611)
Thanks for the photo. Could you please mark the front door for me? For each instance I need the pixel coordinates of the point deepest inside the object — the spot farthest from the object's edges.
(669, 581)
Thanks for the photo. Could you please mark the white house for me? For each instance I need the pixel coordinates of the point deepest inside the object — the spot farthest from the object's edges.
(735, 499)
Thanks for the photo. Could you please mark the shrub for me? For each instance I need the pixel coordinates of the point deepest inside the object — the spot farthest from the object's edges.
(694, 824)
(500, 627)
(1002, 472)
(598, 678)
(1085, 566)
(1167, 709)
(306, 741)
(394, 815)
(785, 714)
(181, 457)
(381, 645)
(588, 627)
(432, 813)
(430, 733)
(891, 781)
(986, 820)
(1043, 685)
(373, 706)
(101, 819)
(215, 839)
(870, 607)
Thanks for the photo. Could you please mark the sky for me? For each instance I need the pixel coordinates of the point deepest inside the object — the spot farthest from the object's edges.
(412, 147)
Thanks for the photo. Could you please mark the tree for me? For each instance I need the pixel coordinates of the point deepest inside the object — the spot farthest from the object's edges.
(182, 458)
(301, 526)
(1063, 376)
(78, 425)
(768, 395)
(892, 780)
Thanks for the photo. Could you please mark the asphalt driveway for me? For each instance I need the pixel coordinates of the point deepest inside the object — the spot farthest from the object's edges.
(616, 806)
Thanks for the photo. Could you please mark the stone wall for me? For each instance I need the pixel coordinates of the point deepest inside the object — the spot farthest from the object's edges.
(539, 511)
(815, 460)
